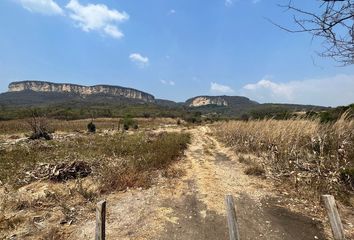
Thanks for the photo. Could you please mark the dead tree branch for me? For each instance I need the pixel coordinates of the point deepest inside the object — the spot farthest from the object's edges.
(333, 22)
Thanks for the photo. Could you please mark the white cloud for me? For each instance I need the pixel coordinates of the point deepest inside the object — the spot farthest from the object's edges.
(172, 83)
(97, 17)
(219, 88)
(47, 7)
(172, 11)
(138, 59)
(330, 91)
(276, 89)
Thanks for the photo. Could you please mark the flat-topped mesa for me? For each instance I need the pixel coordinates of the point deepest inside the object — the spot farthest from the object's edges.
(205, 100)
(222, 101)
(39, 86)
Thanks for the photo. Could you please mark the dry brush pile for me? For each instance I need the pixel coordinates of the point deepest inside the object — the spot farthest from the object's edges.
(314, 158)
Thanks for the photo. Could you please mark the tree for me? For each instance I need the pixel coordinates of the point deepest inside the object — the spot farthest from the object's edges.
(333, 23)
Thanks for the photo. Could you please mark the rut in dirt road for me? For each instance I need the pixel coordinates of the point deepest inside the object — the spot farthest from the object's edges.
(212, 172)
(192, 206)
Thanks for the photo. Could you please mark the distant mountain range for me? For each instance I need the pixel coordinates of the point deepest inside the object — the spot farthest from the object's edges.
(44, 94)
(79, 90)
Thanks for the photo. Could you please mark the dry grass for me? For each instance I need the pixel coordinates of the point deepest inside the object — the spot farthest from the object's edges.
(255, 170)
(135, 164)
(309, 155)
(119, 160)
(21, 125)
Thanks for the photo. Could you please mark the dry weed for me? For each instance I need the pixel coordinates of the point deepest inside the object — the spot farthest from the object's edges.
(310, 155)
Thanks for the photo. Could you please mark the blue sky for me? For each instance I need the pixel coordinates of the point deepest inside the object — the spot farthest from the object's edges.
(173, 49)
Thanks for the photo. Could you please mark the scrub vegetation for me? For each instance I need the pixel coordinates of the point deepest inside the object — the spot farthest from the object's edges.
(311, 156)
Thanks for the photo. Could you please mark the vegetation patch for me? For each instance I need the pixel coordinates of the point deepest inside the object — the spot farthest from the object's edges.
(118, 161)
(314, 157)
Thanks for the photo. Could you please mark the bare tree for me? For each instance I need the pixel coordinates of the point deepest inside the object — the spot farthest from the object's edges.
(333, 22)
(39, 126)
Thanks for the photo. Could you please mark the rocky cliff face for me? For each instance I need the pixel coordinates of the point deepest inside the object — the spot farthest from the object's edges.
(225, 101)
(207, 100)
(39, 86)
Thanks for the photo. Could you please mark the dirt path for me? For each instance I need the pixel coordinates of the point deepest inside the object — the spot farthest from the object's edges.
(192, 207)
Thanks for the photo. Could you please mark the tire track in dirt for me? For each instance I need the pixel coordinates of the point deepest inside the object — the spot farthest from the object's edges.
(192, 207)
(214, 172)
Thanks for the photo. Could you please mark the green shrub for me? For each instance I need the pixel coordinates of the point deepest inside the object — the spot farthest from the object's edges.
(91, 127)
(129, 122)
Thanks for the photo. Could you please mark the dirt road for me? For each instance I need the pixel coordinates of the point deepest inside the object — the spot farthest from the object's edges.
(192, 206)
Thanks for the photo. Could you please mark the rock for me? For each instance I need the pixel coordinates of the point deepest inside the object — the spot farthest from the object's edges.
(202, 101)
(66, 221)
(38, 219)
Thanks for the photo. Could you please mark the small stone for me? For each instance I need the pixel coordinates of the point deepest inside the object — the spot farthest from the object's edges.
(37, 219)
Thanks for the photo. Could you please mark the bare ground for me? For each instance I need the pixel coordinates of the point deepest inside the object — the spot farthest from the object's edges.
(192, 207)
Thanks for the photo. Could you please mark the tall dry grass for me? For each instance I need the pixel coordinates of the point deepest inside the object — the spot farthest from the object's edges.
(309, 155)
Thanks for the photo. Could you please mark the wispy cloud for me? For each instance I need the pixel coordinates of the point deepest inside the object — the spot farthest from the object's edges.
(229, 3)
(97, 17)
(139, 60)
(330, 91)
(219, 88)
(172, 11)
(171, 83)
(46, 7)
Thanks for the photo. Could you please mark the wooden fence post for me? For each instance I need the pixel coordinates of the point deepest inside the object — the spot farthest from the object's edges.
(231, 218)
(333, 215)
(101, 220)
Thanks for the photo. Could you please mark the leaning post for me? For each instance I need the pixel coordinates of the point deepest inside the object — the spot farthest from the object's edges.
(333, 215)
(101, 221)
(231, 218)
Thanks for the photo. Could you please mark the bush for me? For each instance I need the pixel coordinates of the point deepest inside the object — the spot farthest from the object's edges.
(125, 126)
(39, 127)
(91, 127)
(128, 122)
